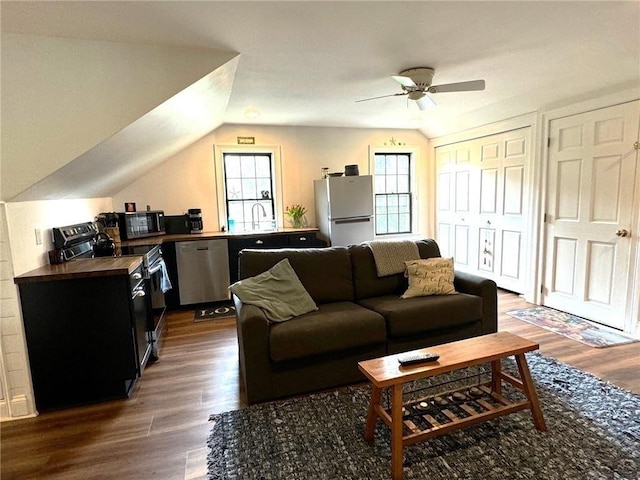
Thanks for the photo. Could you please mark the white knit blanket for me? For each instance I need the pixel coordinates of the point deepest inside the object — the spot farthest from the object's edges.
(391, 255)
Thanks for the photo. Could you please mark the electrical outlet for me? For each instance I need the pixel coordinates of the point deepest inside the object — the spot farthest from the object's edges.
(38, 236)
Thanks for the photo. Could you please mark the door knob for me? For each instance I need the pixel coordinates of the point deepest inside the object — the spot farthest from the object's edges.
(621, 232)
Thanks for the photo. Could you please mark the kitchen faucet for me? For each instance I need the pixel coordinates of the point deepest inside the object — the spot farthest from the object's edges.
(255, 225)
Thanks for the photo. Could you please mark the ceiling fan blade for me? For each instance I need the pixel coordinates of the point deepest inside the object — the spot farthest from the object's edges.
(458, 87)
(425, 102)
(404, 81)
(382, 96)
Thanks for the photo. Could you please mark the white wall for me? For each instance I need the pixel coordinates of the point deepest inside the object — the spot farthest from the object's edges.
(188, 179)
(19, 254)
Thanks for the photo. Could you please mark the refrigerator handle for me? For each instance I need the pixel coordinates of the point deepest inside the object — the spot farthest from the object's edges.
(353, 220)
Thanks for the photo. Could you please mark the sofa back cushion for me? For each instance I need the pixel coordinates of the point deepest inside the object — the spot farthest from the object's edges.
(324, 272)
(367, 284)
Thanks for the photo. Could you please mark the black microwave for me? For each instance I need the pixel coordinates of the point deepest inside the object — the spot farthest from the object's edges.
(141, 224)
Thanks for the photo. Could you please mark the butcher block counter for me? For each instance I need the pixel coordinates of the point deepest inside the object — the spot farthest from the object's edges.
(82, 268)
(85, 323)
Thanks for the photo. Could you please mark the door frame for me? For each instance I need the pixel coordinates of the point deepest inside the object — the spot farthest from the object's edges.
(632, 322)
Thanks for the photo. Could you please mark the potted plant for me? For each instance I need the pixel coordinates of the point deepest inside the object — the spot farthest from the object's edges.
(296, 213)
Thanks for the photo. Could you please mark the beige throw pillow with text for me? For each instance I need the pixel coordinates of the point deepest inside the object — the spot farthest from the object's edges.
(431, 276)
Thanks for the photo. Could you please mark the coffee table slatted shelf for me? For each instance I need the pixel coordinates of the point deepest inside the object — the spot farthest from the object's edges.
(475, 410)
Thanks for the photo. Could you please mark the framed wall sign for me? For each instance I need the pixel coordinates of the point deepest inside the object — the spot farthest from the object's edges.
(246, 140)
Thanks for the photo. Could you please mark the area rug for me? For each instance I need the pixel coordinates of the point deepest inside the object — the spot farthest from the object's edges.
(593, 433)
(214, 312)
(571, 326)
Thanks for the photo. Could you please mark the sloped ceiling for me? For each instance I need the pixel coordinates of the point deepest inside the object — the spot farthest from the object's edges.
(79, 116)
(138, 147)
(307, 62)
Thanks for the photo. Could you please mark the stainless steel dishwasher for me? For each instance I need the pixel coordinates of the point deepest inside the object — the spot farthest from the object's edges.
(203, 271)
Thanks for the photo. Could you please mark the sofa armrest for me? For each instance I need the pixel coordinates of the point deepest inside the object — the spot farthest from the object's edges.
(253, 350)
(487, 290)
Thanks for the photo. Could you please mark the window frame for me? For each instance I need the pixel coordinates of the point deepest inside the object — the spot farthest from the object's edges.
(413, 153)
(220, 176)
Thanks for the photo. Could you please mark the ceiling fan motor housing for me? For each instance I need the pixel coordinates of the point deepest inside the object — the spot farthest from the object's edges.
(421, 76)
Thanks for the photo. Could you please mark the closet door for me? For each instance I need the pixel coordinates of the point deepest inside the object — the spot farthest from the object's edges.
(482, 210)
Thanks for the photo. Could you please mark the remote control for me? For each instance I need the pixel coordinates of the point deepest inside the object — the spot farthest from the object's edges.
(412, 359)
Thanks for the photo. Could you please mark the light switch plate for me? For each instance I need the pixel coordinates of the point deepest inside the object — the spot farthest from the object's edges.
(38, 232)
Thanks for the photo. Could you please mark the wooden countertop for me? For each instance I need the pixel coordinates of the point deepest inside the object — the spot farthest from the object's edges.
(82, 268)
(186, 237)
(95, 267)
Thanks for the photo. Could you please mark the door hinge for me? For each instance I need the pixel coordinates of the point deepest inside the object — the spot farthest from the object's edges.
(548, 142)
(545, 218)
(636, 146)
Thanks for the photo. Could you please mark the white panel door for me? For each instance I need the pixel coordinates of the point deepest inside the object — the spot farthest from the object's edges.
(482, 205)
(591, 178)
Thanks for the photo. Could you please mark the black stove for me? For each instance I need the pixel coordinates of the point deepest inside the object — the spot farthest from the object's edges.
(77, 241)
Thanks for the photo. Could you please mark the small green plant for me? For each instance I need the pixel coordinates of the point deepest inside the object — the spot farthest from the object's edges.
(296, 212)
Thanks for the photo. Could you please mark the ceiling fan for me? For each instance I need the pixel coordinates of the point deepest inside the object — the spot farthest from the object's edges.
(416, 83)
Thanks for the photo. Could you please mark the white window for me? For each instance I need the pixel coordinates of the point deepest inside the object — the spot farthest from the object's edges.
(394, 190)
(248, 187)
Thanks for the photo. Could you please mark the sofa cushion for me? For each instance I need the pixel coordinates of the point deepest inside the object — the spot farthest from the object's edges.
(429, 276)
(314, 267)
(421, 314)
(277, 291)
(334, 327)
(366, 282)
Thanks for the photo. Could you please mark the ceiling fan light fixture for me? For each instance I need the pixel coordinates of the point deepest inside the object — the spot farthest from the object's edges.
(416, 94)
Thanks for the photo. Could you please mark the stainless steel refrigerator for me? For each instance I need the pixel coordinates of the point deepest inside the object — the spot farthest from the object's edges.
(344, 209)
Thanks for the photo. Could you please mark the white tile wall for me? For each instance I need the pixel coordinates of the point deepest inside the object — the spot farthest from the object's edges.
(16, 397)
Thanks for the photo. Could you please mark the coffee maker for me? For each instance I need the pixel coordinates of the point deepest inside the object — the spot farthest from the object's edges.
(195, 220)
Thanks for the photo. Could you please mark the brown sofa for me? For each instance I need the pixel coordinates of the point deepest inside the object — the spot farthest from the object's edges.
(359, 316)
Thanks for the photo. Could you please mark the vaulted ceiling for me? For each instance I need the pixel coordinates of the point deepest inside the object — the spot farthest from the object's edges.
(307, 62)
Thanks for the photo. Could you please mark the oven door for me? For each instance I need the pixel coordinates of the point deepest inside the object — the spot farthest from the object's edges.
(157, 309)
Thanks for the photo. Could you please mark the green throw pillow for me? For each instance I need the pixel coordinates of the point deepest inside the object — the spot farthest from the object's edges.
(278, 292)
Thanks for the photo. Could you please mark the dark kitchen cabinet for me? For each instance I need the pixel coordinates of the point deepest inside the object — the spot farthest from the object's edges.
(86, 336)
(294, 240)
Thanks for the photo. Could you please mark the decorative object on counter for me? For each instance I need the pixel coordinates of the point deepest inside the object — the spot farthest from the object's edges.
(351, 170)
(130, 207)
(324, 172)
(232, 225)
(265, 195)
(296, 215)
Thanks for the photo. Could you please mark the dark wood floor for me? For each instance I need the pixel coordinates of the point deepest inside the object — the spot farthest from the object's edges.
(160, 432)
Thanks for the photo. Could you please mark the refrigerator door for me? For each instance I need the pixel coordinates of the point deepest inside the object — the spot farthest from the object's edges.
(350, 196)
(349, 231)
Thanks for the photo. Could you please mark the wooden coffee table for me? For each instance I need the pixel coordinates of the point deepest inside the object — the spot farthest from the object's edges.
(386, 372)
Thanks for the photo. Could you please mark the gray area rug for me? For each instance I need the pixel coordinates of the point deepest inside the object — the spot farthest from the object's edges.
(593, 433)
